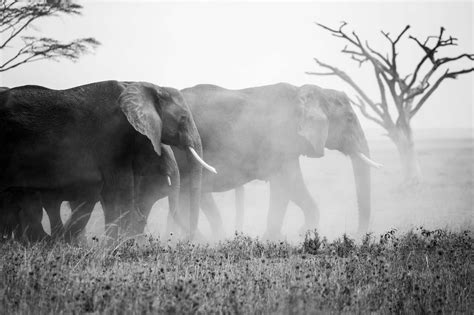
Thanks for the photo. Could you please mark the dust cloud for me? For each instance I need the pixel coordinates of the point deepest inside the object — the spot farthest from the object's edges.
(443, 200)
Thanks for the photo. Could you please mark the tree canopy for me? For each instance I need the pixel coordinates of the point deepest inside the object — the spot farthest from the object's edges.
(17, 16)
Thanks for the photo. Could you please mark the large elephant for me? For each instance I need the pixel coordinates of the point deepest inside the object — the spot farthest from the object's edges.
(259, 133)
(80, 143)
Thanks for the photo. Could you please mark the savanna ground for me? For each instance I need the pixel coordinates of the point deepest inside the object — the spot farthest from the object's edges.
(419, 258)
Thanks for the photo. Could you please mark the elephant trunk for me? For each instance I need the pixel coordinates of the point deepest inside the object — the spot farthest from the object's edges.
(361, 171)
(194, 185)
(173, 196)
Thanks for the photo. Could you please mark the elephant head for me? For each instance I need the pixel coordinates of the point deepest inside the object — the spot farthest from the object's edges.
(290, 130)
(344, 134)
(312, 125)
(162, 115)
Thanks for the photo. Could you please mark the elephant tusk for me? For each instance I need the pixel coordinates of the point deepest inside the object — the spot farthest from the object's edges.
(201, 161)
(169, 180)
(369, 161)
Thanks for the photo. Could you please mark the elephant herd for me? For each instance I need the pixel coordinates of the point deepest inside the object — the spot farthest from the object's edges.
(129, 144)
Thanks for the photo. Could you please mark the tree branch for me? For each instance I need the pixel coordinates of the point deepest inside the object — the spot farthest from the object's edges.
(355, 40)
(347, 79)
(403, 90)
(17, 16)
(383, 96)
(35, 49)
(431, 51)
(447, 75)
(363, 109)
(428, 94)
(393, 44)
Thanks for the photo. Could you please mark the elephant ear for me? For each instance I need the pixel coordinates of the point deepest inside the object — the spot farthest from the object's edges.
(137, 102)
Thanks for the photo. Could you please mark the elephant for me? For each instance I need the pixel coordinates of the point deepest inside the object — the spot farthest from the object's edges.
(260, 132)
(81, 143)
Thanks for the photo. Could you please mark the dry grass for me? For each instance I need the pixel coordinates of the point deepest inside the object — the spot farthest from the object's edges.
(420, 271)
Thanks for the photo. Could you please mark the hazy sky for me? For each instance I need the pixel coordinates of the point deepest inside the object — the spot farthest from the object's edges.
(242, 44)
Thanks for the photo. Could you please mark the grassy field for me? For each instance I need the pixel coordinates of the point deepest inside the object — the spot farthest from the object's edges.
(418, 259)
(417, 272)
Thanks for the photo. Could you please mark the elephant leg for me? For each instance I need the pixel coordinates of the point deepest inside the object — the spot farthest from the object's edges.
(239, 208)
(52, 207)
(141, 218)
(176, 225)
(302, 198)
(210, 209)
(9, 216)
(170, 224)
(289, 183)
(146, 194)
(31, 215)
(172, 227)
(185, 218)
(118, 197)
(174, 221)
(80, 214)
(10, 226)
(279, 199)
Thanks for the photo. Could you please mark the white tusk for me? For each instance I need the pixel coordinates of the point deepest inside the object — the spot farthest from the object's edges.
(169, 180)
(201, 161)
(369, 161)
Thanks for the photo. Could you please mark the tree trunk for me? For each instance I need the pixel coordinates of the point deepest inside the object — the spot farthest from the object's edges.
(403, 139)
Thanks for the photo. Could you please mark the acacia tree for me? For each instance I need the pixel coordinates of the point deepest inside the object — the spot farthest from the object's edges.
(18, 16)
(401, 94)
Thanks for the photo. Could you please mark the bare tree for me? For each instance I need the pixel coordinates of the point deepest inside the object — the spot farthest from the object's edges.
(18, 16)
(402, 94)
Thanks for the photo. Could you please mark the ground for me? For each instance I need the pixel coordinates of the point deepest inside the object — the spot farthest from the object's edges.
(419, 258)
